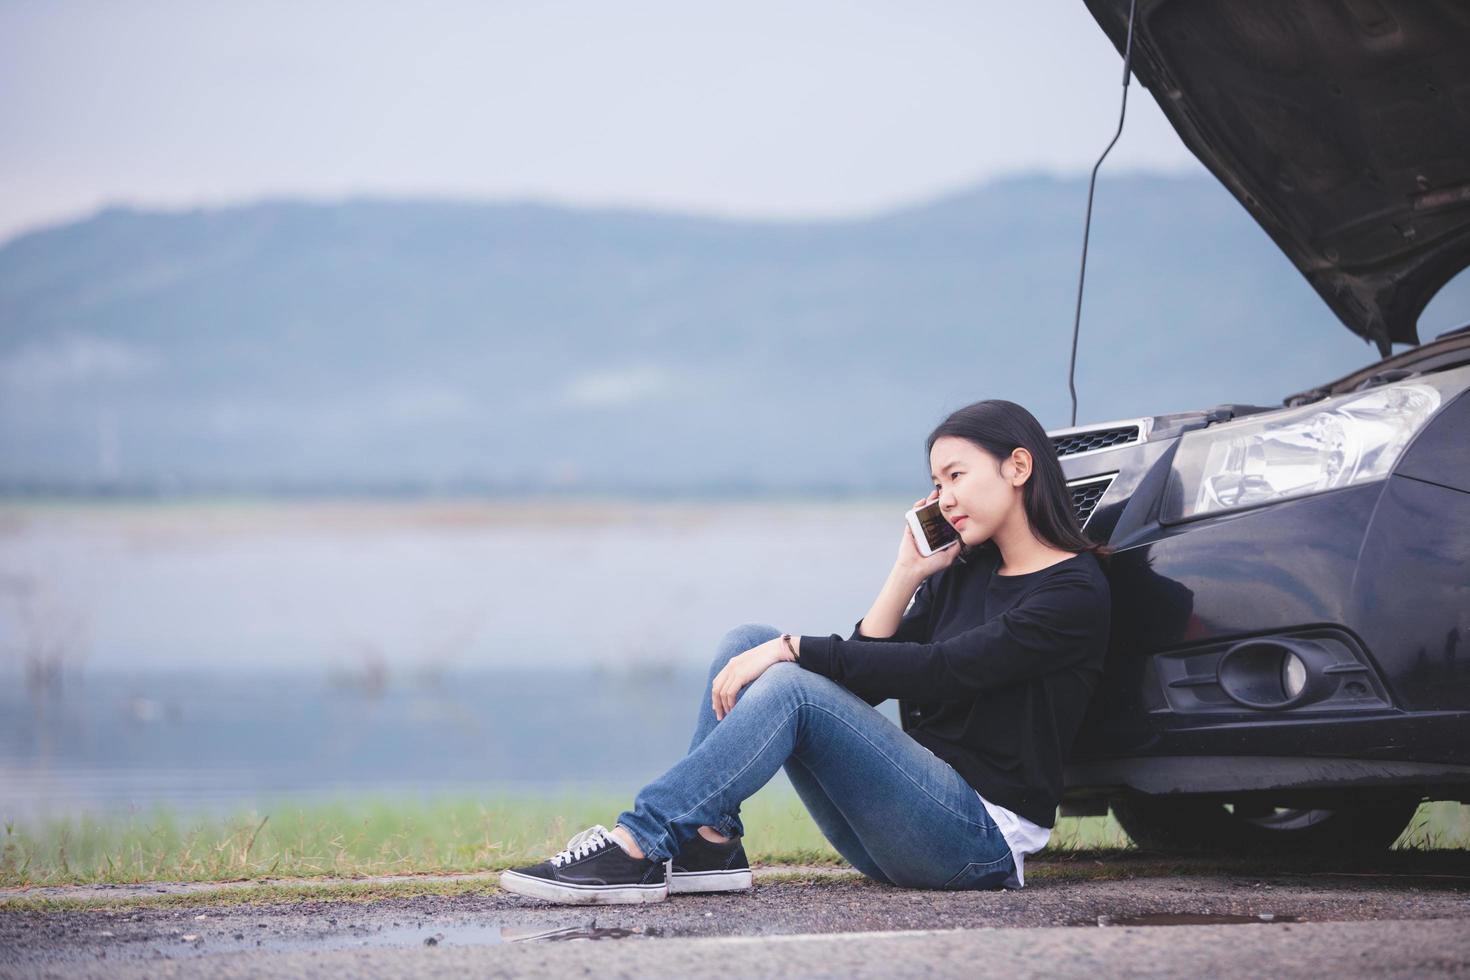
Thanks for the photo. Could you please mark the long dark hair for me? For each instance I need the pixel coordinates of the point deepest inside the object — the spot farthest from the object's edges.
(999, 427)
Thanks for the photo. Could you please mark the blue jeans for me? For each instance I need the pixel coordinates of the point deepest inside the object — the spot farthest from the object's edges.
(893, 809)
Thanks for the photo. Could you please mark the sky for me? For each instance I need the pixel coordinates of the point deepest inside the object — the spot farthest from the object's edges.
(754, 109)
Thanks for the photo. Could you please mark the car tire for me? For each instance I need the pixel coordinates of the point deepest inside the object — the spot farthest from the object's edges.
(1174, 825)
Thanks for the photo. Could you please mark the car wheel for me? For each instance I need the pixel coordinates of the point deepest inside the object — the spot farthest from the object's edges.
(1177, 825)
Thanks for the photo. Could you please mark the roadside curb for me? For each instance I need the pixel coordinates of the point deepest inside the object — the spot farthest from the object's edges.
(148, 889)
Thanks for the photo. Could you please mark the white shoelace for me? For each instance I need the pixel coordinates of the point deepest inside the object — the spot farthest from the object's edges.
(584, 844)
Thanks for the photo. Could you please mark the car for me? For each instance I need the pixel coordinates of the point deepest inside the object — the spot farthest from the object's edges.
(1290, 660)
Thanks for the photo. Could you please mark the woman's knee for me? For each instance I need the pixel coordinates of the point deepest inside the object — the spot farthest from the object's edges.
(742, 638)
(785, 672)
(787, 679)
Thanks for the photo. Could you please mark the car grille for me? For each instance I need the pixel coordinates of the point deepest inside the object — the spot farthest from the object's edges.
(1086, 493)
(1082, 442)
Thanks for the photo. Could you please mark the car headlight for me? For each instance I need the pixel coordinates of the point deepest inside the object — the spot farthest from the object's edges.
(1334, 443)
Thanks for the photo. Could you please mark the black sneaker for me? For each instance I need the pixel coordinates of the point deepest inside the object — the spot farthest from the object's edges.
(594, 869)
(704, 866)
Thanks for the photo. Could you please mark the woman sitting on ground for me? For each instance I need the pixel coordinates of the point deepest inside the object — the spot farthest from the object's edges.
(1001, 648)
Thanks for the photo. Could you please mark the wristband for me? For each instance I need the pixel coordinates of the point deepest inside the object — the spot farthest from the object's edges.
(786, 639)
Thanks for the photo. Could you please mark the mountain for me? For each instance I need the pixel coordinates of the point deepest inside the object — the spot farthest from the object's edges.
(405, 345)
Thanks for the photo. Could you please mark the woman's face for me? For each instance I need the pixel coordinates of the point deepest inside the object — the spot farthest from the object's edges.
(976, 495)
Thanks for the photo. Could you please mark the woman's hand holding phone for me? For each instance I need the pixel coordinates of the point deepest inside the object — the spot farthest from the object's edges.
(912, 561)
(910, 570)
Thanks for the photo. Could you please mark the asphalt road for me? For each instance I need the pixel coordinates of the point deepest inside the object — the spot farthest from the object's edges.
(1287, 924)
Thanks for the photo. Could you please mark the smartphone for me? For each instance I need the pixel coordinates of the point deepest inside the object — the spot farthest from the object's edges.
(931, 531)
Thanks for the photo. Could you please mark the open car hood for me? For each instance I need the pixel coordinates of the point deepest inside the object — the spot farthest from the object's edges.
(1343, 126)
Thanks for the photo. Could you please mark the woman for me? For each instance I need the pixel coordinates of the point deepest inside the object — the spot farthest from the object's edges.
(1001, 648)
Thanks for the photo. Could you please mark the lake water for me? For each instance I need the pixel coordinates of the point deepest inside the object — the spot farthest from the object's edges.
(214, 656)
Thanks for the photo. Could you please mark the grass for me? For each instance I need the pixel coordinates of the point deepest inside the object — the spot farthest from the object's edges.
(353, 838)
(359, 838)
(1437, 825)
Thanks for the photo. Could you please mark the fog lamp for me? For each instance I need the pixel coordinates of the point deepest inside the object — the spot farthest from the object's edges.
(1293, 676)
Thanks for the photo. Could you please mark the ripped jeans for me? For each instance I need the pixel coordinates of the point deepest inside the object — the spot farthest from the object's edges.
(894, 810)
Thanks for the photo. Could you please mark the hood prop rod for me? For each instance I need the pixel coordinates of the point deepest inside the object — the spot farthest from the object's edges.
(1087, 221)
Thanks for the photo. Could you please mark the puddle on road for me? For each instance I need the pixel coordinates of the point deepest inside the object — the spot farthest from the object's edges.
(522, 935)
(454, 934)
(1188, 919)
(435, 934)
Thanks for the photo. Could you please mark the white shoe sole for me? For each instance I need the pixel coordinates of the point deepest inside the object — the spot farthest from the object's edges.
(568, 894)
(689, 882)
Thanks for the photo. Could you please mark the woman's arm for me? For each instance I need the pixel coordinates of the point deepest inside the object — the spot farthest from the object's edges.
(1062, 623)
(882, 620)
(910, 569)
(887, 615)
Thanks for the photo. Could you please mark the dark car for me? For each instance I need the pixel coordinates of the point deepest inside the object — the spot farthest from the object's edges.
(1290, 660)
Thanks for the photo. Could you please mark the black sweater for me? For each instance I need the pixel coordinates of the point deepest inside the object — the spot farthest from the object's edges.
(1001, 666)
